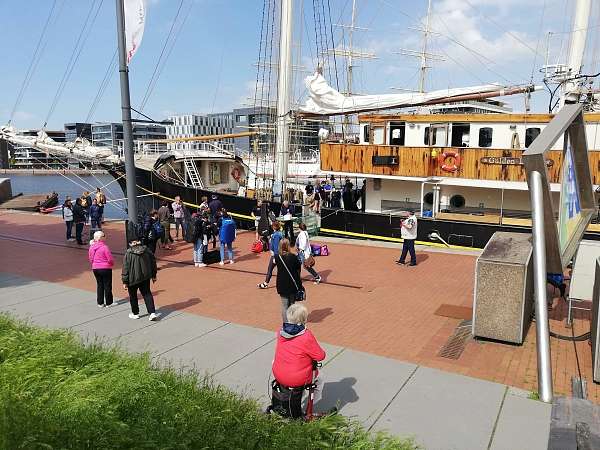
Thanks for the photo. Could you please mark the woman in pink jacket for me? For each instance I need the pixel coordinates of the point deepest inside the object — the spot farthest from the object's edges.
(102, 263)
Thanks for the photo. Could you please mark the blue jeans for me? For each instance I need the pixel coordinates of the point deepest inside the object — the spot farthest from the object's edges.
(310, 270)
(198, 251)
(69, 225)
(408, 246)
(229, 250)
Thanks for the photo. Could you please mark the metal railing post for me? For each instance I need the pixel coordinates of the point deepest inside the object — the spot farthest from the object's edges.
(540, 285)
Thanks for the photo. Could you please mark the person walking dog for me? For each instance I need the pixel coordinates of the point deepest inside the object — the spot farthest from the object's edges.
(102, 263)
(408, 233)
(139, 267)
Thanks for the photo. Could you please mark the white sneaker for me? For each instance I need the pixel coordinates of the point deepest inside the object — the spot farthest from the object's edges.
(112, 304)
(100, 306)
(222, 263)
(200, 265)
(231, 261)
(133, 316)
(196, 265)
(153, 317)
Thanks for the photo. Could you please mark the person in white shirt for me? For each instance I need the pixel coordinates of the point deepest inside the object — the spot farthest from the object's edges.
(305, 252)
(408, 232)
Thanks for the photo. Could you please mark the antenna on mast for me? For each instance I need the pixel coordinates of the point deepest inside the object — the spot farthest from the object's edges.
(423, 55)
(349, 52)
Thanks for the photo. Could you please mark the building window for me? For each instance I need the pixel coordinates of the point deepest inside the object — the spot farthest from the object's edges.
(485, 136)
(530, 135)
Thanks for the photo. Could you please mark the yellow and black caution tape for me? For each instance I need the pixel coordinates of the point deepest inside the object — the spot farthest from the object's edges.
(393, 239)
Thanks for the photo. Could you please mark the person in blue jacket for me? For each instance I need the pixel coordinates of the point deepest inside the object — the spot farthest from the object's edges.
(226, 236)
(96, 215)
(274, 246)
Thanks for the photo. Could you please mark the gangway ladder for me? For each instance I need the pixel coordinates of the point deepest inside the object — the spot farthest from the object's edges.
(192, 173)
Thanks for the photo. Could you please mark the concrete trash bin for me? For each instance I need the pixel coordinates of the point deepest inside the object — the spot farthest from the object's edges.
(503, 298)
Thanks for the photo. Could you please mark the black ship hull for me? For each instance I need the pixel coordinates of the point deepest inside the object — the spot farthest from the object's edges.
(334, 222)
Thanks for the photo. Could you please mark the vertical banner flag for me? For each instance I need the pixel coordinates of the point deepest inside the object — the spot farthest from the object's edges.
(570, 205)
(135, 19)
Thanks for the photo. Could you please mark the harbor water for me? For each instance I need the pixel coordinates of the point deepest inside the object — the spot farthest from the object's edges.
(74, 186)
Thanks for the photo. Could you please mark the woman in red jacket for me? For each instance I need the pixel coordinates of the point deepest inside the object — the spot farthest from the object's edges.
(296, 350)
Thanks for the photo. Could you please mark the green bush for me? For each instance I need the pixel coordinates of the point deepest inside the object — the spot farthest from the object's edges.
(56, 393)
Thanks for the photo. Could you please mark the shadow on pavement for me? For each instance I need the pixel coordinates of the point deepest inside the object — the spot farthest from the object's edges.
(337, 394)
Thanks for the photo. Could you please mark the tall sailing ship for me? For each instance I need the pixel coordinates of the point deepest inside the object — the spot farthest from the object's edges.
(455, 158)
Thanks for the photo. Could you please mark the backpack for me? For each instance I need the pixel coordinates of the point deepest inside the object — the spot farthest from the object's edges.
(324, 250)
(315, 249)
(156, 231)
(192, 230)
(257, 247)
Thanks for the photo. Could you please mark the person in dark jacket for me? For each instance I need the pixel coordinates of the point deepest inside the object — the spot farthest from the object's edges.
(287, 212)
(78, 220)
(276, 237)
(164, 214)
(288, 276)
(139, 267)
(215, 206)
(96, 215)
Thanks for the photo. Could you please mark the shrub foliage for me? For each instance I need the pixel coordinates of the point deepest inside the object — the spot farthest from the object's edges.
(57, 393)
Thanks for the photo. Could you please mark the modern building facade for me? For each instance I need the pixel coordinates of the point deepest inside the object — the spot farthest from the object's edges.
(78, 130)
(189, 125)
(110, 134)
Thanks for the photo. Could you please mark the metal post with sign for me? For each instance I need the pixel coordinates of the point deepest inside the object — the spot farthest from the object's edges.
(554, 247)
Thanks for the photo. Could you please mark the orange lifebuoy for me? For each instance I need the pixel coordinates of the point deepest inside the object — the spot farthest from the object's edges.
(236, 174)
(449, 167)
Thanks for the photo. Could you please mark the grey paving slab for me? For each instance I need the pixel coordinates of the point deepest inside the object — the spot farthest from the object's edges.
(16, 285)
(169, 333)
(523, 424)
(361, 384)
(217, 350)
(252, 374)
(54, 302)
(114, 325)
(31, 292)
(76, 314)
(444, 411)
(11, 279)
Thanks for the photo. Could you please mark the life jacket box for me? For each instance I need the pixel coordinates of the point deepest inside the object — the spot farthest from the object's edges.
(503, 296)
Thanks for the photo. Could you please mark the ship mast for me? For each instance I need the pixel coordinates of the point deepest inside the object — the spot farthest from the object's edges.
(126, 117)
(571, 91)
(284, 86)
(424, 56)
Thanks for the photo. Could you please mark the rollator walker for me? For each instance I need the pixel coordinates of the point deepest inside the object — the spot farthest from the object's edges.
(287, 401)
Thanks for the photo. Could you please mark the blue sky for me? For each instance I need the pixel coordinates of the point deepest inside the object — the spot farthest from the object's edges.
(211, 67)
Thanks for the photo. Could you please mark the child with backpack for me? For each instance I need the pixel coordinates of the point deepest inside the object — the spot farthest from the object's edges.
(276, 237)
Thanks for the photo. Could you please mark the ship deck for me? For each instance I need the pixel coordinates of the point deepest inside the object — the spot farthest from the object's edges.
(366, 302)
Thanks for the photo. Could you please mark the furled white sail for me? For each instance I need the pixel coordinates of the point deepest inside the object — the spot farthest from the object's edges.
(135, 19)
(325, 100)
(81, 149)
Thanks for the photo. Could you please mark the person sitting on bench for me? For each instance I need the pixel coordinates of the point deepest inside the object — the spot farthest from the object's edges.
(295, 352)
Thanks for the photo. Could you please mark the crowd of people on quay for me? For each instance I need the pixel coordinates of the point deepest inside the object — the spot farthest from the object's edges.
(212, 231)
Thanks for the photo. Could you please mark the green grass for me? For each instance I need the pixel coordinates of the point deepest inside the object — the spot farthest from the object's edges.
(56, 393)
(534, 395)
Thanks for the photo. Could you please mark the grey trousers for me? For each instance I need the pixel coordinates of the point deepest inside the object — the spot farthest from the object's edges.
(286, 302)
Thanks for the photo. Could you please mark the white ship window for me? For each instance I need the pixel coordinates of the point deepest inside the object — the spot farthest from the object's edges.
(397, 133)
(378, 135)
(530, 135)
(460, 135)
(485, 136)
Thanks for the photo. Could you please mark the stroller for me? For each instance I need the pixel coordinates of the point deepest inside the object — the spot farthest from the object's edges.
(287, 401)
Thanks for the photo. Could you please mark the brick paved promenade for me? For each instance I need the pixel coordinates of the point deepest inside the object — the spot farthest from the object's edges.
(366, 302)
